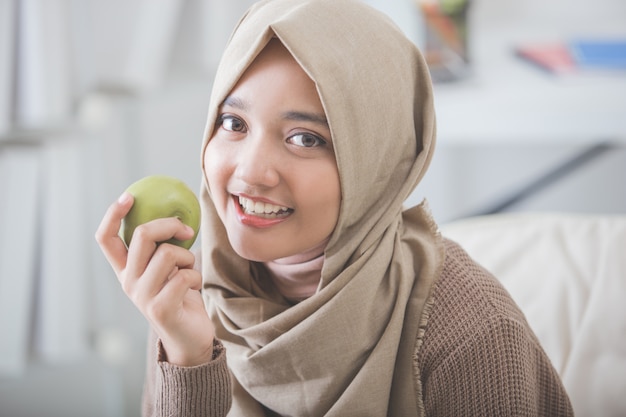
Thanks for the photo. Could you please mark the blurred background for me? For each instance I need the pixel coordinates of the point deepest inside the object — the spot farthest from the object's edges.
(96, 94)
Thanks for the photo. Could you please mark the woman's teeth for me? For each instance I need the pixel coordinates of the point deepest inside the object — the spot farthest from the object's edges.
(260, 208)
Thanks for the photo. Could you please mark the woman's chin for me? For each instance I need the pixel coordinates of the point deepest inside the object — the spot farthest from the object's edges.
(255, 253)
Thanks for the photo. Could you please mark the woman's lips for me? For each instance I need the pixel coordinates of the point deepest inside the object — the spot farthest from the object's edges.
(258, 213)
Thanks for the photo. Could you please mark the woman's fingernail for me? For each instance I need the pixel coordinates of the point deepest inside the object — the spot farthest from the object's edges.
(125, 197)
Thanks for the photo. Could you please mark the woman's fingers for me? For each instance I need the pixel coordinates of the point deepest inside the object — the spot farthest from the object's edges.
(146, 238)
(174, 293)
(133, 261)
(160, 280)
(107, 236)
(166, 262)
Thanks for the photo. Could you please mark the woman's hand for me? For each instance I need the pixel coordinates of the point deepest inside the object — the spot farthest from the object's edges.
(161, 282)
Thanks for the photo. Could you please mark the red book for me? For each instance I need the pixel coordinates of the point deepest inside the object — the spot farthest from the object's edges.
(555, 58)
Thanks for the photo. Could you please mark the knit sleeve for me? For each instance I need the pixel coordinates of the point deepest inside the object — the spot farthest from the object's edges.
(172, 390)
(498, 371)
(479, 356)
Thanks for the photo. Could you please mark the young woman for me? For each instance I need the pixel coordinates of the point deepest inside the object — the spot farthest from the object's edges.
(320, 294)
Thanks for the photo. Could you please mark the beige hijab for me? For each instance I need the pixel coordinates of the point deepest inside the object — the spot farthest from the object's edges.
(348, 349)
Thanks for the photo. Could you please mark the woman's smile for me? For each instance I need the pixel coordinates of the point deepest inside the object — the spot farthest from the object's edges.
(260, 214)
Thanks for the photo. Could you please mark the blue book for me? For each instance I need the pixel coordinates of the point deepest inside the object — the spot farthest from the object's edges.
(599, 53)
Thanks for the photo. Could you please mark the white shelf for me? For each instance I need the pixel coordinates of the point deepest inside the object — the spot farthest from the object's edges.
(509, 101)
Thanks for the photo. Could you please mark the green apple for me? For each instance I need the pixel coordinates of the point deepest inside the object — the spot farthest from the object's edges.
(160, 196)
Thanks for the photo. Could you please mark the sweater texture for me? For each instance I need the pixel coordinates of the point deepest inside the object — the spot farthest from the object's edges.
(476, 356)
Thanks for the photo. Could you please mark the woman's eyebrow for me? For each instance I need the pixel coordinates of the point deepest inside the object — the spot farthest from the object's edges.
(236, 103)
(301, 116)
(319, 119)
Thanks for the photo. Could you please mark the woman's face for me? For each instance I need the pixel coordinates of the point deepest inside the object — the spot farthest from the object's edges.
(270, 163)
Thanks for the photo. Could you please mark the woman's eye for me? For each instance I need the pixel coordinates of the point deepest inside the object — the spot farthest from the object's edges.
(232, 124)
(306, 140)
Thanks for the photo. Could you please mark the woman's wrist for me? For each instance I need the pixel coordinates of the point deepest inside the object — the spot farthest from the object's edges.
(182, 357)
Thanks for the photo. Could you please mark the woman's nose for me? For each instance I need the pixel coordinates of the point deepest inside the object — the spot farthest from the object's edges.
(257, 162)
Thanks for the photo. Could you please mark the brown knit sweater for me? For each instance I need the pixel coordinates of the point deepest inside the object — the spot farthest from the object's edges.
(479, 357)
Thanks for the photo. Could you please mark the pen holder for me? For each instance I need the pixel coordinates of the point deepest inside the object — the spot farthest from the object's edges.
(446, 38)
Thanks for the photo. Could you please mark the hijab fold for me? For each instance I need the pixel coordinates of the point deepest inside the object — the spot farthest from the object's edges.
(349, 348)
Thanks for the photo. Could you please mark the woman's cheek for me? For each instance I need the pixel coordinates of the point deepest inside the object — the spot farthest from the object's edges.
(218, 169)
(211, 166)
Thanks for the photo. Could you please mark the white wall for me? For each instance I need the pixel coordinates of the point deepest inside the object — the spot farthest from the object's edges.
(470, 180)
